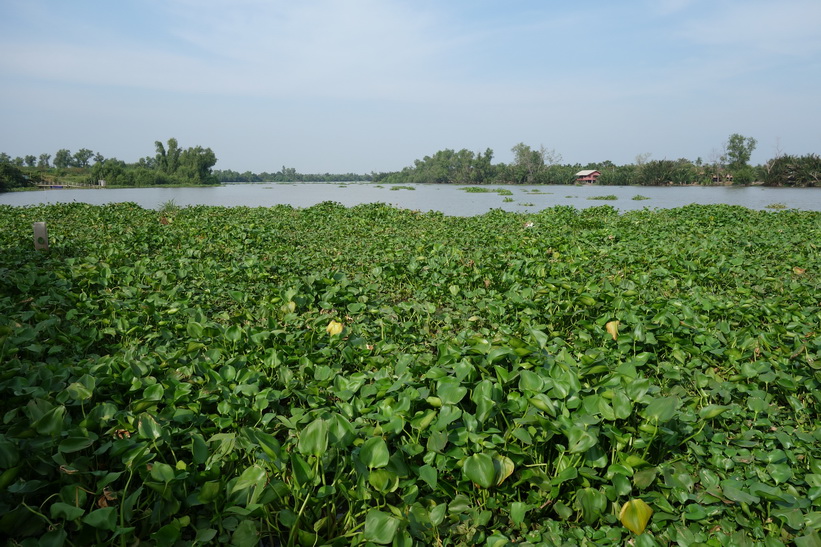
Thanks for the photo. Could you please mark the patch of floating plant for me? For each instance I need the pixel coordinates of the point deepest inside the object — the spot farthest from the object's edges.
(374, 375)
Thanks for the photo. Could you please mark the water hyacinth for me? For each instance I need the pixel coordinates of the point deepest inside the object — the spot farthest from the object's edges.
(594, 376)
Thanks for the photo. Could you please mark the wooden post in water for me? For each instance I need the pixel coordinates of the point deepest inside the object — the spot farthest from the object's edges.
(40, 236)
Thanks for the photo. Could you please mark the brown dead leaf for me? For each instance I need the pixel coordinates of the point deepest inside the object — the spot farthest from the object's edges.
(612, 328)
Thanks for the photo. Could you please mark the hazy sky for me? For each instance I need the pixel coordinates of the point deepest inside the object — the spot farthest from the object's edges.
(370, 85)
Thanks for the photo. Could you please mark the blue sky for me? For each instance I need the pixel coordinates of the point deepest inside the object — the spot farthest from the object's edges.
(370, 85)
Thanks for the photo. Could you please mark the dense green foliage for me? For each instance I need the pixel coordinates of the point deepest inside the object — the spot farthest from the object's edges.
(542, 167)
(794, 171)
(13, 177)
(287, 174)
(177, 166)
(340, 376)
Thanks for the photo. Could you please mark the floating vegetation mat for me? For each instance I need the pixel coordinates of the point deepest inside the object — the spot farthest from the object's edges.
(371, 375)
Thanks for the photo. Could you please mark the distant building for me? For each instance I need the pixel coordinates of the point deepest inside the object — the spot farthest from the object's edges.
(588, 176)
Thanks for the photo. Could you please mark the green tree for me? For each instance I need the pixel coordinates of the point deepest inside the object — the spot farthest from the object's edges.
(31, 161)
(12, 177)
(43, 160)
(62, 159)
(82, 156)
(527, 163)
(194, 164)
(786, 170)
(112, 171)
(737, 150)
(661, 172)
(168, 159)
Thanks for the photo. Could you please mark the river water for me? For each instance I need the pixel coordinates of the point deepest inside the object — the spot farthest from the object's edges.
(447, 198)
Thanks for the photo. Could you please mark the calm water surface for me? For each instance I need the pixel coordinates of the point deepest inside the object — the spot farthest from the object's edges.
(448, 198)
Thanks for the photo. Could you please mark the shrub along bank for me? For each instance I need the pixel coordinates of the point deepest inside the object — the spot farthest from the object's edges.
(340, 376)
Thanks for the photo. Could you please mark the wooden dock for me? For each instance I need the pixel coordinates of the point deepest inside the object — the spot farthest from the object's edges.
(60, 185)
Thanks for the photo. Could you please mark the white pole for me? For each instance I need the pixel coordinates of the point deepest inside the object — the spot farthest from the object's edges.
(40, 235)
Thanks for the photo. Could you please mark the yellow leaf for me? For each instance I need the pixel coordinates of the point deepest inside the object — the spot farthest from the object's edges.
(613, 329)
(635, 514)
(504, 468)
(798, 271)
(334, 327)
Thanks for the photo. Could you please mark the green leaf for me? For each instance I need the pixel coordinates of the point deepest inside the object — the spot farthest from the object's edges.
(780, 472)
(77, 443)
(429, 475)
(661, 409)
(592, 503)
(205, 535)
(209, 491)
(518, 511)
(167, 535)
(635, 514)
(480, 469)
(103, 519)
(199, 449)
(60, 510)
(78, 391)
(254, 477)
(503, 467)
(51, 423)
(246, 534)
(54, 538)
(380, 527)
(233, 333)
(194, 330)
(497, 540)
(808, 540)
(733, 491)
(162, 472)
(313, 439)
(450, 393)
(9, 454)
(383, 480)
(530, 381)
(148, 427)
(437, 514)
(580, 440)
(303, 472)
(644, 478)
(711, 411)
(374, 453)
(622, 406)
(154, 392)
(341, 432)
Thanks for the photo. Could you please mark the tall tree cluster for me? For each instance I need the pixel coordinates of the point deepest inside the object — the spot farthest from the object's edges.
(171, 164)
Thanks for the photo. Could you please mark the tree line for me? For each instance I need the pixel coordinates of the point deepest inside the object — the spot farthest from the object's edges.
(170, 165)
(287, 174)
(193, 166)
(544, 166)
